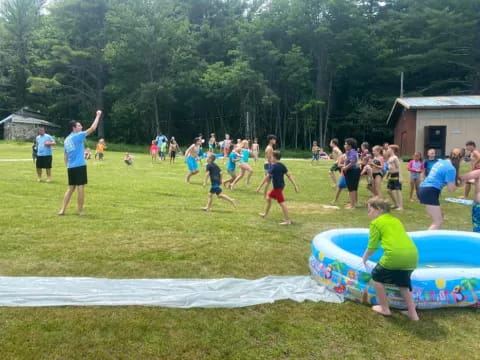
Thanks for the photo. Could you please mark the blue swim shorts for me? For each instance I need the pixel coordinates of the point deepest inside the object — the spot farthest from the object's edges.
(192, 163)
(476, 217)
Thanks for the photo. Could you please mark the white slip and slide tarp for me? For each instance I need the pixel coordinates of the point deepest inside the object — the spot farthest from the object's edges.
(173, 293)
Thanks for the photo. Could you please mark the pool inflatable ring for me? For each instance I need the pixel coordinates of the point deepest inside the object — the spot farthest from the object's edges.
(448, 274)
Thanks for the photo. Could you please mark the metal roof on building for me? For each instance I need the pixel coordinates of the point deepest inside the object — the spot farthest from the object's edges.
(434, 103)
(25, 117)
(439, 102)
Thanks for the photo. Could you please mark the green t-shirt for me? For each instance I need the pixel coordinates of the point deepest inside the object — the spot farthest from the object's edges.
(400, 253)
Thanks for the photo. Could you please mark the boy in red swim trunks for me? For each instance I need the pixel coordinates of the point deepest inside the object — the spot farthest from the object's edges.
(276, 173)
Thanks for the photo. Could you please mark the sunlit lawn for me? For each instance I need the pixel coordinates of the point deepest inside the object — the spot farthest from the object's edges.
(145, 222)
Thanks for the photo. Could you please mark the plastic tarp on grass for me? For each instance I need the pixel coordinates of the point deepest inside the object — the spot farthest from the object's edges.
(174, 293)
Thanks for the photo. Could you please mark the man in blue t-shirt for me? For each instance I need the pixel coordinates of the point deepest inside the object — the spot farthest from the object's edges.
(75, 161)
(44, 143)
(160, 139)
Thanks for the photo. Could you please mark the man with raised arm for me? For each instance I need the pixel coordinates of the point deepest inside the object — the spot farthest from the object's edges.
(75, 161)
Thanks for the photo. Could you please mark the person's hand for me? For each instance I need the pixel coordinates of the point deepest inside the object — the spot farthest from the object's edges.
(296, 189)
(99, 112)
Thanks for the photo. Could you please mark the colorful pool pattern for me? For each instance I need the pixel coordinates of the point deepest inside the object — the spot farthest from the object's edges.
(336, 263)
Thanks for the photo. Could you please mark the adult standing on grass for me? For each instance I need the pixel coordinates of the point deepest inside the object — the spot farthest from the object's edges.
(44, 143)
(75, 161)
(351, 171)
(443, 173)
(160, 139)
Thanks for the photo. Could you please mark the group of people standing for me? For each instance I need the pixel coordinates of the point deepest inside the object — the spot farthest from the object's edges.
(427, 177)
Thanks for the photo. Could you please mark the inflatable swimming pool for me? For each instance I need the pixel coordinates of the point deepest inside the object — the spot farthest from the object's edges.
(448, 274)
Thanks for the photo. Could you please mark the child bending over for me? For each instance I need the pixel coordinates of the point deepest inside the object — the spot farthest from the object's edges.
(399, 260)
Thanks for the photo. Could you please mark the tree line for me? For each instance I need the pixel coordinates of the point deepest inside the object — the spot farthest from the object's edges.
(302, 69)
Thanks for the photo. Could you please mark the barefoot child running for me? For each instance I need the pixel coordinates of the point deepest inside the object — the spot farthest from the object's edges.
(399, 260)
(276, 173)
(191, 158)
(215, 174)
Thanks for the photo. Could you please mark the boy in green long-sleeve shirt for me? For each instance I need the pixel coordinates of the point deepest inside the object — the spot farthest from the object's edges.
(399, 260)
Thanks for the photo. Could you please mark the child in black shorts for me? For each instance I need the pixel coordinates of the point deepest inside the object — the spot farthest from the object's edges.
(215, 174)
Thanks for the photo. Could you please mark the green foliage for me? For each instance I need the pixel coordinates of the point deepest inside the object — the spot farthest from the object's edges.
(303, 69)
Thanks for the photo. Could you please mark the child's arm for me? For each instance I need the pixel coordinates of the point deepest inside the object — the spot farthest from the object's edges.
(207, 174)
(366, 256)
(292, 180)
(65, 158)
(265, 178)
(410, 167)
(422, 168)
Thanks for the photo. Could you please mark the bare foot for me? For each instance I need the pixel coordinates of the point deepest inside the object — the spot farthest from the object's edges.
(81, 214)
(206, 209)
(334, 185)
(413, 318)
(378, 309)
(234, 203)
(262, 215)
(49, 180)
(39, 180)
(286, 222)
(349, 207)
(61, 212)
(398, 209)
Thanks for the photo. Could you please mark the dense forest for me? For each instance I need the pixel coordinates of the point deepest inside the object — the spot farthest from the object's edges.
(301, 69)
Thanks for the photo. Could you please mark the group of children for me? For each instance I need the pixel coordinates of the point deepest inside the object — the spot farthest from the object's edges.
(99, 151)
(160, 152)
(237, 156)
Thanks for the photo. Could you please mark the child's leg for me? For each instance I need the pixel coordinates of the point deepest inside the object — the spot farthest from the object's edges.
(390, 193)
(39, 174)
(417, 186)
(228, 198)
(238, 178)
(286, 220)
(407, 296)
(333, 177)
(249, 176)
(209, 202)
(265, 190)
(435, 213)
(81, 199)
(190, 174)
(468, 186)
(378, 186)
(383, 308)
(337, 194)
(267, 209)
(399, 197)
(412, 186)
(66, 199)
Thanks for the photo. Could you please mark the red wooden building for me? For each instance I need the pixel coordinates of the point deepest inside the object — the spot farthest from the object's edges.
(442, 123)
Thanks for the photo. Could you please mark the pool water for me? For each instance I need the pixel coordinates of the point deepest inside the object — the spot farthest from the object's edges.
(445, 265)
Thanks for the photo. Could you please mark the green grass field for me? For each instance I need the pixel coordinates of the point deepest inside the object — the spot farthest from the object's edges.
(145, 222)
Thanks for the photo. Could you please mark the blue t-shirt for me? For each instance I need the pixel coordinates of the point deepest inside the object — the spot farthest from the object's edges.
(231, 164)
(442, 173)
(277, 171)
(245, 155)
(43, 150)
(73, 146)
(160, 140)
(428, 165)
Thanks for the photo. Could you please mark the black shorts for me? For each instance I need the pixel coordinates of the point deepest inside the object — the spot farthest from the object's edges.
(352, 177)
(334, 168)
(429, 196)
(217, 190)
(375, 175)
(77, 175)
(394, 184)
(44, 162)
(401, 278)
(172, 154)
